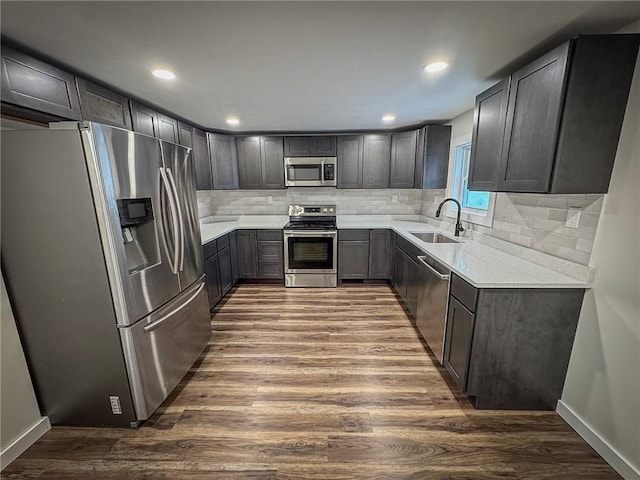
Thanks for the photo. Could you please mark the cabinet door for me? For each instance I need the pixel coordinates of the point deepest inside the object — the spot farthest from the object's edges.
(272, 156)
(324, 146)
(224, 266)
(376, 161)
(224, 162)
(489, 117)
(379, 246)
(533, 116)
(185, 134)
(350, 151)
(249, 162)
(458, 336)
(403, 160)
(247, 254)
(400, 273)
(353, 259)
(211, 271)
(34, 84)
(102, 105)
(413, 284)
(297, 146)
(436, 156)
(167, 128)
(418, 175)
(144, 120)
(201, 161)
(233, 251)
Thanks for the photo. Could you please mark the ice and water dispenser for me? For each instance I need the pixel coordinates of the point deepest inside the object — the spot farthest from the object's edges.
(138, 233)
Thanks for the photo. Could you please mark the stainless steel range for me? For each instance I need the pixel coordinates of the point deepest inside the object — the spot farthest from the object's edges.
(311, 246)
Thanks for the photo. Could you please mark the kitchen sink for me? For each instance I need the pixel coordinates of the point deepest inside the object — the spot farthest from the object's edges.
(433, 237)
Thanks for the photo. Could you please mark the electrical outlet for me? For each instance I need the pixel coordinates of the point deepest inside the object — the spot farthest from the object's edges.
(573, 217)
(394, 198)
(270, 200)
(116, 409)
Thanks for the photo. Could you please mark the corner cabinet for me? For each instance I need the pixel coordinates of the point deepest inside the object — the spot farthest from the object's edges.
(506, 352)
(432, 157)
(260, 162)
(564, 113)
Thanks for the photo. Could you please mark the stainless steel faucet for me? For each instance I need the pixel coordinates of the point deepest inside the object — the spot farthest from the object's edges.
(458, 224)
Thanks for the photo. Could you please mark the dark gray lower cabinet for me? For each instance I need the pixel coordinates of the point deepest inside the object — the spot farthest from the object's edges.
(379, 248)
(353, 254)
(458, 341)
(224, 265)
(260, 254)
(509, 348)
(233, 251)
(247, 254)
(211, 271)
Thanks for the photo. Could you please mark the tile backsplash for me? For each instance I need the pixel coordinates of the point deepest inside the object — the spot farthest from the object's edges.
(348, 202)
(536, 221)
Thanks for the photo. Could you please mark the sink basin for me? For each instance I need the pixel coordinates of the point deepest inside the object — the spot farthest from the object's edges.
(433, 237)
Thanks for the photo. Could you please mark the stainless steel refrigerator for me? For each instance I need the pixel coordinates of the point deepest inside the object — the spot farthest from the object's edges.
(102, 258)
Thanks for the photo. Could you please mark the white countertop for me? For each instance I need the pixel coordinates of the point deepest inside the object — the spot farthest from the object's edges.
(481, 265)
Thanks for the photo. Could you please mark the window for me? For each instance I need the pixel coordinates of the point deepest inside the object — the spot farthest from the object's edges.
(477, 207)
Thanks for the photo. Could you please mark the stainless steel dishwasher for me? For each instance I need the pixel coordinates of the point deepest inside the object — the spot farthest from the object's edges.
(433, 292)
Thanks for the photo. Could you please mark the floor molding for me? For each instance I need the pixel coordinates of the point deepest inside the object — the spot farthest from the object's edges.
(599, 444)
(24, 441)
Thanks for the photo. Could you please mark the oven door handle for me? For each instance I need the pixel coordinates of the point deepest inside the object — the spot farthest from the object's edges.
(308, 233)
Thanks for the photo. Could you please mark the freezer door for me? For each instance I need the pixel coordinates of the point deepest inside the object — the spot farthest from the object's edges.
(178, 163)
(141, 231)
(161, 348)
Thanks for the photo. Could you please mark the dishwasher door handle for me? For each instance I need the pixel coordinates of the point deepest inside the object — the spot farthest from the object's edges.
(441, 276)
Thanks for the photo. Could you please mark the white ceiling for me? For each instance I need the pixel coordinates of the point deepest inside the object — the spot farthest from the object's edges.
(303, 65)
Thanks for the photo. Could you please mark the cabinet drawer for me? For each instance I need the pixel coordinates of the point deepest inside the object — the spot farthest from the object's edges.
(353, 235)
(271, 269)
(223, 242)
(209, 248)
(269, 235)
(269, 251)
(464, 292)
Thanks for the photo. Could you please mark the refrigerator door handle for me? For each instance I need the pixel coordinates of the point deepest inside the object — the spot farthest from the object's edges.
(153, 325)
(180, 219)
(174, 219)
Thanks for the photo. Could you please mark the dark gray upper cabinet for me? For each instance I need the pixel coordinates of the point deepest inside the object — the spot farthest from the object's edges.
(101, 105)
(260, 162)
(33, 84)
(376, 160)
(224, 162)
(144, 119)
(272, 159)
(168, 129)
(315, 146)
(434, 163)
(249, 163)
(563, 119)
(489, 117)
(403, 159)
(379, 257)
(350, 154)
(201, 161)
(185, 134)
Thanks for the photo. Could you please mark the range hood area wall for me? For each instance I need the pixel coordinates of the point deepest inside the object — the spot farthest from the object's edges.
(347, 201)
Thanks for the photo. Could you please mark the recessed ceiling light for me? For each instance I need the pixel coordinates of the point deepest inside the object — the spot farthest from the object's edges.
(233, 121)
(435, 67)
(388, 117)
(163, 74)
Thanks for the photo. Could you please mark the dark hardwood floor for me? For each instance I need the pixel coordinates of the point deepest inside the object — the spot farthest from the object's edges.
(317, 384)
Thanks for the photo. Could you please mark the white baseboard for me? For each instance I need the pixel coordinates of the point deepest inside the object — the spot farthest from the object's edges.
(599, 444)
(24, 441)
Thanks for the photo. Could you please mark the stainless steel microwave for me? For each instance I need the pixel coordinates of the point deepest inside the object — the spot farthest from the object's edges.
(310, 171)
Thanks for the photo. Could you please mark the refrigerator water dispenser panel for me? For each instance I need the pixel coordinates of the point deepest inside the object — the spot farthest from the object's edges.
(134, 211)
(138, 233)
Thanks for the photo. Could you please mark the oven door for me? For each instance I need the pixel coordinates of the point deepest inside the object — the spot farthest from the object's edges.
(310, 251)
(304, 172)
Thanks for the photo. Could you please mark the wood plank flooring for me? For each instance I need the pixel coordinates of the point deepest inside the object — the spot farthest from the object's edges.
(317, 384)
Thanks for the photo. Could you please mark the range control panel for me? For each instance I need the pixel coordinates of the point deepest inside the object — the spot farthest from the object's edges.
(312, 210)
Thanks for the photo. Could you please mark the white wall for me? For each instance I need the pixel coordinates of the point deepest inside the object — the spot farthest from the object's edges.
(602, 389)
(20, 419)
